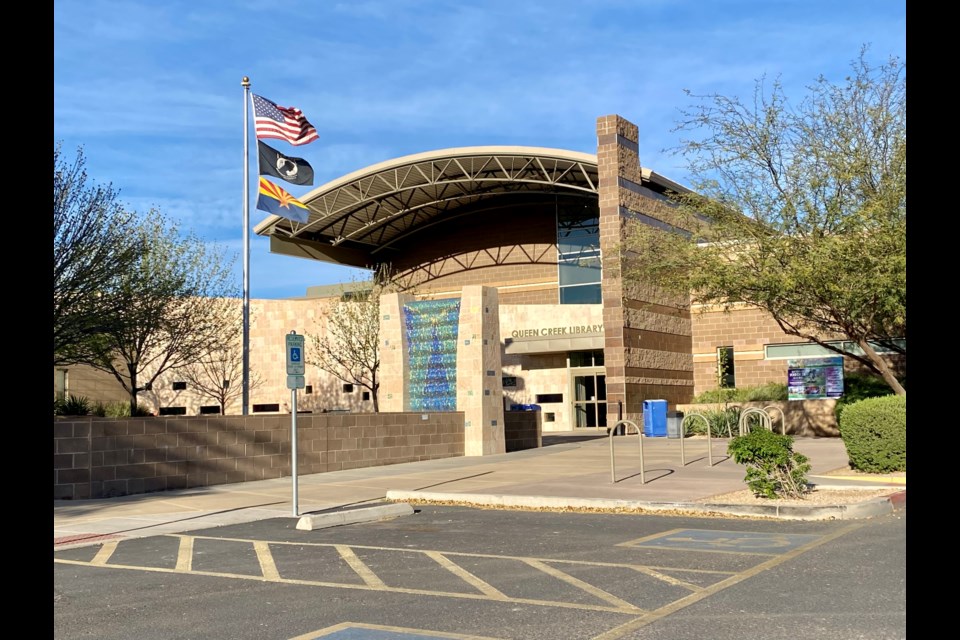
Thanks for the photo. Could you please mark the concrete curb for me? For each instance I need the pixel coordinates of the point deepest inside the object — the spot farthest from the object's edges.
(353, 516)
(866, 509)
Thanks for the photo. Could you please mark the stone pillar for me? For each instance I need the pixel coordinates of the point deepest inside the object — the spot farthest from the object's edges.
(648, 335)
(479, 379)
(394, 371)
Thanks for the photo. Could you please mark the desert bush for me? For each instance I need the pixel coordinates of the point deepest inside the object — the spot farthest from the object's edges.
(719, 420)
(774, 470)
(71, 406)
(769, 392)
(874, 432)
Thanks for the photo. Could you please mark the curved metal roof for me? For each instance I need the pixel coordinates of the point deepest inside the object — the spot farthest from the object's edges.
(382, 206)
(371, 208)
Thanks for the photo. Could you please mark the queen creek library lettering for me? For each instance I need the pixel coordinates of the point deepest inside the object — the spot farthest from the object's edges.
(557, 331)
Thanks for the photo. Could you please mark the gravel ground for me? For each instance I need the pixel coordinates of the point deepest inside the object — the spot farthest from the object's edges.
(819, 496)
(814, 498)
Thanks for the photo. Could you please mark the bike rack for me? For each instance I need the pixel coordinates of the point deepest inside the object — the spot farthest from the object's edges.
(765, 421)
(783, 418)
(683, 431)
(626, 431)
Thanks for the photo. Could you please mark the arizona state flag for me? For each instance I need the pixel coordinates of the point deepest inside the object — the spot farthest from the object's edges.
(275, 200)
(274, 163)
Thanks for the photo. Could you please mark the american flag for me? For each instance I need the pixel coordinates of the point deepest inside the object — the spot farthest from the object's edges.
(282, 123)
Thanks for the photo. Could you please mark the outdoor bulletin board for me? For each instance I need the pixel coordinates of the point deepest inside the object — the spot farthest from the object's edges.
(814, 378)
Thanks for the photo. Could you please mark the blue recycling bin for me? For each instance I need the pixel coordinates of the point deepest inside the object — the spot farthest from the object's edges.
(655, 418)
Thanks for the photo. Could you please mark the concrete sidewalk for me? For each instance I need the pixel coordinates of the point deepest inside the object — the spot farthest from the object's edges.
(572, 470)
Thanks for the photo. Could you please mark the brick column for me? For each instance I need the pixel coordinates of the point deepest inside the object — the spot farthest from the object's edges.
(648, 344)
(394, 367)
(479, 373)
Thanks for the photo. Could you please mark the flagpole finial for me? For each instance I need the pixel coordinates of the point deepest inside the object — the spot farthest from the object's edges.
(245, 82)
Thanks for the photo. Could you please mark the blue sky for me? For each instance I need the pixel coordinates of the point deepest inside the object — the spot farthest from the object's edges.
(152, 90)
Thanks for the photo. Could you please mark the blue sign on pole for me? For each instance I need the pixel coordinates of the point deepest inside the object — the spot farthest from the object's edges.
(295, 364)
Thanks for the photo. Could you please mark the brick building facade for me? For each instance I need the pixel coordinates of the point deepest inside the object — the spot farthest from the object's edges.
(543, 228)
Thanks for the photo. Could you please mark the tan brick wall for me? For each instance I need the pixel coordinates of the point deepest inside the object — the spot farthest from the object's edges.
(747, 330)
(103, 457)
(648, 333)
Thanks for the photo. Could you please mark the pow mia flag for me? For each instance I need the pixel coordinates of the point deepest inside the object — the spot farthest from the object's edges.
(274, 163)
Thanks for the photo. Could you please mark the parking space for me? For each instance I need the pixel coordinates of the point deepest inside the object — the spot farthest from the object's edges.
(593, 571)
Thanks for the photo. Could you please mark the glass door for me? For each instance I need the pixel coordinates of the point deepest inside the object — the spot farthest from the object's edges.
(590, 400)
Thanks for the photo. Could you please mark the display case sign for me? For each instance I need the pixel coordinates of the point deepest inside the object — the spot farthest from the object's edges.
(815, 378)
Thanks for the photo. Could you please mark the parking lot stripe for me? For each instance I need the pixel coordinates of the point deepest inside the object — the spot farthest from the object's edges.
(267, 565)
(357, 565)
(466, 576)
(185, 554)
(580, 584)
(103, 556)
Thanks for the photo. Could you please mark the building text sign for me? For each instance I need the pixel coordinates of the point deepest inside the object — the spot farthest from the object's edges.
(543, 332)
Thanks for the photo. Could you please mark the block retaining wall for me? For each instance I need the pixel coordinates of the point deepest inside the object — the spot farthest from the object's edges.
(107, 457)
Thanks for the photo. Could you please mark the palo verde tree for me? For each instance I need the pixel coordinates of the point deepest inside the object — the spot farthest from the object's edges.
(174, 307)
(346, 344)
(799, 211)
(94, 240)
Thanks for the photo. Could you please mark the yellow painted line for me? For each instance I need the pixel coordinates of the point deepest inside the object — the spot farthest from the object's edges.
(360, 587)
(466, 576)
(267, 565)
(677, 605)
(580, 584)
(880, 479)
(652, 536)
(185, 554)
(676, 582)
(359, 567)
(104, 554)
(347, 626)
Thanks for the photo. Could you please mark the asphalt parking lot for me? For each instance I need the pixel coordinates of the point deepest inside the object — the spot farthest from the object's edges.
(440, 572)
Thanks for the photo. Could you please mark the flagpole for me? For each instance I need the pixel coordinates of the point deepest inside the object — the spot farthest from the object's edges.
(246, 244)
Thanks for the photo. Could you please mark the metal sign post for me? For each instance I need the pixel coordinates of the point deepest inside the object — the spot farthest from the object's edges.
(295, 380)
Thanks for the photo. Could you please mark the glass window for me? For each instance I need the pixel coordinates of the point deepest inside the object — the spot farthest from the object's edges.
(578, 254)
(813, 350)
(725, 370)
(586, 358)
(582, 294)
(584, 271)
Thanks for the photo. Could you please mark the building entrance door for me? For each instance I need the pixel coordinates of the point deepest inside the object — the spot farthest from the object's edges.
(590, 400)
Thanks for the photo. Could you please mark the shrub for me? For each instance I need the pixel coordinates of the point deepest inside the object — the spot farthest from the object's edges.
(874, 432)
(860, 386)
(718, 420)
(774, 470)
(118, 410)
(769, 392)
(71, 406)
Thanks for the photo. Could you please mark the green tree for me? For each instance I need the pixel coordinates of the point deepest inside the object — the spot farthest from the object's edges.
(94, 240)
(174, 308)
(799, 211)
